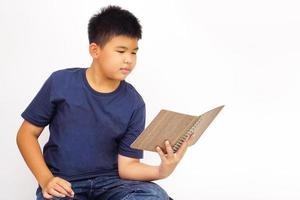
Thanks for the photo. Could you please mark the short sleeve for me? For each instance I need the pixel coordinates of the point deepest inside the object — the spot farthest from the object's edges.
(40, 111)
(136, 126)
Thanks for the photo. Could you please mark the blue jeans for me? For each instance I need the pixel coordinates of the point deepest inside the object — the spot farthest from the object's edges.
(113, 188)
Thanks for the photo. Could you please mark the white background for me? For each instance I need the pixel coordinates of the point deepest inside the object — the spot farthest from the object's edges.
(194, 55)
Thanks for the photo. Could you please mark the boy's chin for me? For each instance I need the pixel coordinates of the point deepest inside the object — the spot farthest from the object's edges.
(121, 78)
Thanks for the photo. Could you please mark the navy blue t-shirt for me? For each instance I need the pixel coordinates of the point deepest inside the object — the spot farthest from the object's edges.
(88, 129)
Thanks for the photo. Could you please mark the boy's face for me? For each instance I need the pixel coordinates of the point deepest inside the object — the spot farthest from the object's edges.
(117, 58)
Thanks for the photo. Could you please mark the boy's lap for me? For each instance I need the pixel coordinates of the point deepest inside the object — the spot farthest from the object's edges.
(127, 190)
(113, 188)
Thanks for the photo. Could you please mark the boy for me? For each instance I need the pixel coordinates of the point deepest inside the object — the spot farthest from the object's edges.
(94, 115)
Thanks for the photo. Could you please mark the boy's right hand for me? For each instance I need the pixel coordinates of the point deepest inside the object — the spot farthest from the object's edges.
(57, 187)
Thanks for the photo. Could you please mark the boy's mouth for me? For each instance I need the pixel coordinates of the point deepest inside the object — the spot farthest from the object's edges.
(125, 70)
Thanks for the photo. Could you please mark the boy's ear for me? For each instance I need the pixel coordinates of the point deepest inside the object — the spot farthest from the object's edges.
(94, 50)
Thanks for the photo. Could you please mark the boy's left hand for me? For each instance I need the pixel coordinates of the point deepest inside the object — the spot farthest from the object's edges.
(170, 160)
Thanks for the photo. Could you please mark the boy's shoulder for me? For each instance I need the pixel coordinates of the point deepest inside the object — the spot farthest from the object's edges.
(66, 71)
(63, 76)
(135, 94)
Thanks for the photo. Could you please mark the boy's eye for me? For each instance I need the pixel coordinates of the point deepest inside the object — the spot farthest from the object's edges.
(124, 51)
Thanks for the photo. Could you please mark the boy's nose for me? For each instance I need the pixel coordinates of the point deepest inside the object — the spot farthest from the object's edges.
(127, 60)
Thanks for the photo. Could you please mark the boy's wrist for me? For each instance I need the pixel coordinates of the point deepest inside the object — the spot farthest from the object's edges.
(161, 173)
(44, 179)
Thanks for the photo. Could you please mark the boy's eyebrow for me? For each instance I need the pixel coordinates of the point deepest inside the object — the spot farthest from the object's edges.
(123, 47)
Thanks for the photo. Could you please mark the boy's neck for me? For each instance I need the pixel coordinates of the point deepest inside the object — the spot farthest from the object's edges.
(99, 82)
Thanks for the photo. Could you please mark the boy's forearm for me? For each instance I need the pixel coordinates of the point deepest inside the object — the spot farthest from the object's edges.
(141, 172)
(32, 154)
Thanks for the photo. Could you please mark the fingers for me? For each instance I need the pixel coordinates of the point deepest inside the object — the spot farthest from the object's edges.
(170, 153)
(66, 188)
(169, 149)
(55, 191)
(61, 190)
(161, 153)
(58, 187)
(47, 196)
(51, 193)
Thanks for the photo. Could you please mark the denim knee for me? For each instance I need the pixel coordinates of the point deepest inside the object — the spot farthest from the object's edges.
(154, 191)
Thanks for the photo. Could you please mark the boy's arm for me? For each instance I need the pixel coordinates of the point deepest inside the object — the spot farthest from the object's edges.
(133, 169)
(27, 141)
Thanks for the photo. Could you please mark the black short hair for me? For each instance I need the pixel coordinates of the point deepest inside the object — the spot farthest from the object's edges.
(113, 21)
